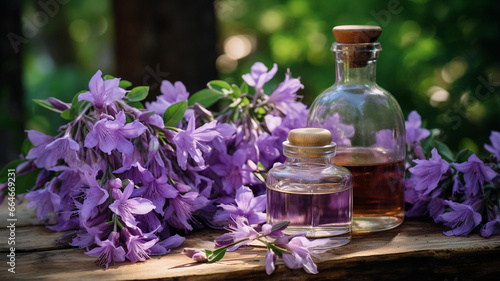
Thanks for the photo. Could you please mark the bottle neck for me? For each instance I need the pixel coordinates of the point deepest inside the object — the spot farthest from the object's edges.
(304, 155)
(356, 63)
(347, 74)
(307, 162)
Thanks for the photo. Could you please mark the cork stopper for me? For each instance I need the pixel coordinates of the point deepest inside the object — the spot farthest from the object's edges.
(356, 34)
(309, 137)
(358, 40)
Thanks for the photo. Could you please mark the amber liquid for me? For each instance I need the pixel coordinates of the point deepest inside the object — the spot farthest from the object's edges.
(378, 189)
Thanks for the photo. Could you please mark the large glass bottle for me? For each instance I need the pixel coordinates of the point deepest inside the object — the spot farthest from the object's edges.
(310, 192)
(367, 124)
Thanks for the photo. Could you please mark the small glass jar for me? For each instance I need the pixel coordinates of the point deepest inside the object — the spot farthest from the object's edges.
(368, 126)
(310, 192)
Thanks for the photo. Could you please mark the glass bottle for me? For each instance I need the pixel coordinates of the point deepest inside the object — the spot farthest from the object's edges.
(310, 192)
(367, 124)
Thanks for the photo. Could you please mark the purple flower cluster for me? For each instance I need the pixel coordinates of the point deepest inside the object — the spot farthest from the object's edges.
(296, 251)
(461, 191)
(123, 184)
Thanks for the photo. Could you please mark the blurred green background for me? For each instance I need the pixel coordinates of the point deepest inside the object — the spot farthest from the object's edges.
(439, 57)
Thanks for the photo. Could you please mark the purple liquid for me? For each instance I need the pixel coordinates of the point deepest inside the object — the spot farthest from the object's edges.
(320, 215)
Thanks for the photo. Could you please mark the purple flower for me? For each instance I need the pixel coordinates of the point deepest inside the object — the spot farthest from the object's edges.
(495, 144)
(182, 205)
(90, 230)
(125, 207)
(285, 96)
(39, 141)
(413, 131)
(258, 75)
(107, 250)
(280, 127)
(149, 117)
(241, 230)
(224, 240)
(269, 149)
(385, 139)
(195, 254)
(436, 209)
(463, 219)
(247, 206)
(457, 187)
(475, 173)
(171, 94)
(226, 131)
(137, 246)
(158, 190)
(94, 195)
(275, 230)
(102, 93)
(46, 155)
(300, 248)
(270, 261)
(233, 170)
(164, 247)
(341, 133)
(490, 228)
(427, 173)
(46, 200)
(193, 141)
(58, 104)
(114, 134)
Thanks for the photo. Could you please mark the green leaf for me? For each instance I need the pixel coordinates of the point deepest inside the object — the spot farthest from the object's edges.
(244, 102)
(67, 115)
(26, 146)
(487, 187)
(11, 165)
(205, 97)
(260, 111)
(444, 151)
(136, 104)
(108, 77)
(219, 86)
(125, 182)
(463, 155)
(276, 250)
(124, 84)
(138, 93)
(216, 255)
(46, 104)
(236, 92)
(260, 176)
(244, 88)
(76, 107)
(174, 113)
(24, 182)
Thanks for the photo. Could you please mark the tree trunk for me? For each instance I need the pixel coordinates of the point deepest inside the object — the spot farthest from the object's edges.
(11, 91)
(165, 40)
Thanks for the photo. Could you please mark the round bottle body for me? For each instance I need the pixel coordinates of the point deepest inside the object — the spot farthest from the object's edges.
(315, 196)
(367, 124)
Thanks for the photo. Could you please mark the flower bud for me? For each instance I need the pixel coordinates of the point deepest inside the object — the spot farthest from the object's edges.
(57, 104)
(203, 112)
(42, 177)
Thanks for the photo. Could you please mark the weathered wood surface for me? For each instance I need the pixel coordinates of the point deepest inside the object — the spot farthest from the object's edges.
(417, 250)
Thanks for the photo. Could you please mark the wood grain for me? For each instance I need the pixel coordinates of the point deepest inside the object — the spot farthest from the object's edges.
(417, 250)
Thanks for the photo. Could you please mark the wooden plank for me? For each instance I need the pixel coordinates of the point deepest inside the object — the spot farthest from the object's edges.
(414, 251)
(31, 238)
(25, 217)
